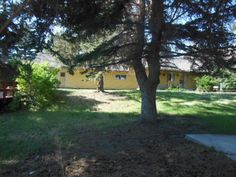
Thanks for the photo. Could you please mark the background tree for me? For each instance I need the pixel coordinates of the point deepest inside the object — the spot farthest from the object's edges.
(66, 51)
(98, 76)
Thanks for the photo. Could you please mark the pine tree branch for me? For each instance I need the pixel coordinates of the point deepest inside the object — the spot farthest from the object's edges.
(14, 14)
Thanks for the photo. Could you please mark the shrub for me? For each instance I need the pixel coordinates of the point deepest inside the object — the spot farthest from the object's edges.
(229, 80)
(206, 83)
(36, 85)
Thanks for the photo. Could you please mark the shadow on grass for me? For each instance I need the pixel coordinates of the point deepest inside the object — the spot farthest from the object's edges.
(115, 145)
(64, 92)
(216, 117)
(186, 96)
(129, 95)
(190, 96)
(216, 110)
(71, 140)
(28, 132)
(78, 103)
(42, 134)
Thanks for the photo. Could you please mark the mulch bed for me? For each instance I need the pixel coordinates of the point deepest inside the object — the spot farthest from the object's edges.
(137, 150)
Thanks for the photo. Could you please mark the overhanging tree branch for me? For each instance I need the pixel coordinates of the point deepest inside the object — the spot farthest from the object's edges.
(14, 15)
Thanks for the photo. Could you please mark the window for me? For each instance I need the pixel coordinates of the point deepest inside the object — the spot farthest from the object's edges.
(63, 74)
(120, 77)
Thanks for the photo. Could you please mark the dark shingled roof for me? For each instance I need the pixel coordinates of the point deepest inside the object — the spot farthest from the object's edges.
(179, 64)
(175, 64)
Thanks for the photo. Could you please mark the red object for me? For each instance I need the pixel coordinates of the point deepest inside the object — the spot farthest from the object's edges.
(8, 89)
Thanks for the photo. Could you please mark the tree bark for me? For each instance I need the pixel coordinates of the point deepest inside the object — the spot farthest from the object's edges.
(148, 82)
(100, 86)
(148, 105)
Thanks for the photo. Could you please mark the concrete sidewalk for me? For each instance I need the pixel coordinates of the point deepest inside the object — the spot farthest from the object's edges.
(222, 143)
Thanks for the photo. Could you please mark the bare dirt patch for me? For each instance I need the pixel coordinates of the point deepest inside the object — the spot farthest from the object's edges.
(108, 101)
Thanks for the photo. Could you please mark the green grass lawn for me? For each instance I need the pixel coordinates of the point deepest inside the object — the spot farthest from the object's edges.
(25, 133)
(217, 111)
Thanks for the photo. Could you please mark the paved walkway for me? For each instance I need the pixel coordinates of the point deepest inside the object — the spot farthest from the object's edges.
(223, 143)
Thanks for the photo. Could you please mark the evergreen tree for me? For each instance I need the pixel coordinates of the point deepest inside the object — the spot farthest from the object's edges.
(22, 35)
(144, 34)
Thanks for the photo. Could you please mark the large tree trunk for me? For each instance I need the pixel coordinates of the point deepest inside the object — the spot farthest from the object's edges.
(148, 105)
(148, 93)
(148, 82)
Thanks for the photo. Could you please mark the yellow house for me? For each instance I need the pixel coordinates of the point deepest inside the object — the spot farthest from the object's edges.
(126, 79)
(121, 77)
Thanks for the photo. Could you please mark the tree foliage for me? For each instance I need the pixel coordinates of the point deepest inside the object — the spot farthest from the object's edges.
(22, 34)
(197, 29)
